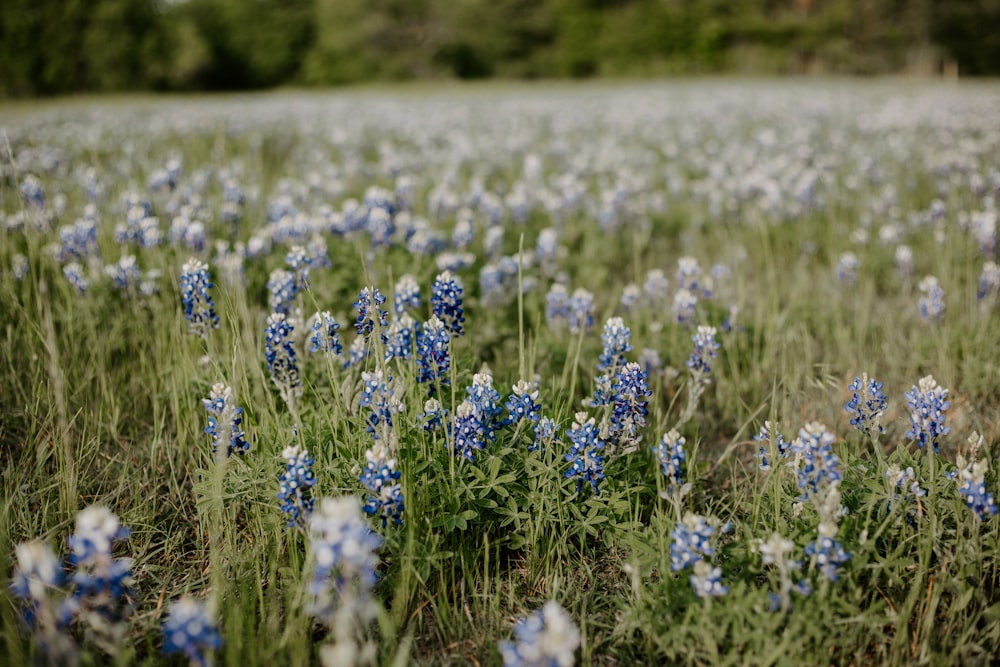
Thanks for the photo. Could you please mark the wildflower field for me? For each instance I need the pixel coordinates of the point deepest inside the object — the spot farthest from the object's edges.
(691, 373)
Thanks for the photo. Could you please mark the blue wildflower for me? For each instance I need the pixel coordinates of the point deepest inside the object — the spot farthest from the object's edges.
(486, 401)
(546, 638)
(369, 307)
(406, 295)
(557, 306)
(101, 582)
(931, 304)
(37, 574)
(433, 415)
(279, 353)
(190, 630)
(685, 302)
(630, 405)
(829, 555)
(585, 458)
(522, 404)
(707, 580)
(283, 288)
(546, 432)
(446, 301)
(224, 421)
(616, 339)
(294, 485)
(74, 274)
(847, 269)
(378, 393)
(771, 441)
(324, 337)
(580, 311)
(199, 309)
(385, 499)
(989, 281)
(927, 406)
(433, 354)
(401, 334)
(691, 542)
(816, 464)
(905, 487)
(670, 455)
(867, 405)
(299, 261)
(971, 480)
(704, 350)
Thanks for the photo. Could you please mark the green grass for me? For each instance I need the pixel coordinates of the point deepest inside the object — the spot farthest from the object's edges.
(100, 393)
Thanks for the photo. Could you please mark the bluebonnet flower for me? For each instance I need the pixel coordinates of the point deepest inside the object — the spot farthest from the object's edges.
(74, 274)
(199, 309)
(385, 499)
(557, 306)
(904, 486)
(299, 261)
(927, 406)
(283, 288)
(486, 401)
(691, 542)
(342, 549)
(580, 310)
(32, 192)
(464, 231)
(829, 555)
(585, 458)
(466, 430)
(78, 241)
(707, 580)
(656, 286)
(37, 574)
(546, 432)
(630, 402)
(357, 353)
(401, 334)
(688, 274)
(369, 307)
(547, 246)
(775, 552)
(378, 393)
(867, 405)
(294, 485)
(847, 268)
(224, 421)
(190, 630)
(406, 295)
(279, 352)
(616, 339)
(324, 337)
(816, 464)
(989, 281)
(765, 436)
(670, 455)
(522, 404)
(971, 479)
(685, 302)
(102, 583)
(125, 274)
(433, 415)
(631, 297)
(433, 354)
(931, 304)
(546, 638)
(380, 226)
(446, 301)
(704, 350)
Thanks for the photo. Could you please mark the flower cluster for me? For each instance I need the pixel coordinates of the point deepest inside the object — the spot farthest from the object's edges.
(630, 394)
(775, 552)
(401, 335)
(522, 404)
(704, 350)
(369, 307)
(867, 405)
(989, 281)
(406, 295)
(971, 480)
(199, 309)
(691, 546)
(37, 576)
(903, 485)
(433, 354)
(546, 638)
(433, 415)
(927, 406)
(816, 464)
(224, 421)
(190, 630)
(385, 495)
(294, 485)
(446, 301)
(324, 337)
(670, 455)
(765, 437)
(616, 339)
(585, 458)
(378, 393)
(931, 303)
(279, 353)
(282, 287)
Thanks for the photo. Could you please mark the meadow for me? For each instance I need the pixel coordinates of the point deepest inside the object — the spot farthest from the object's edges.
(698, 373)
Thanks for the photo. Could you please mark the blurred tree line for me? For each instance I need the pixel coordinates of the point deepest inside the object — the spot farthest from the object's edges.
(61, 46)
